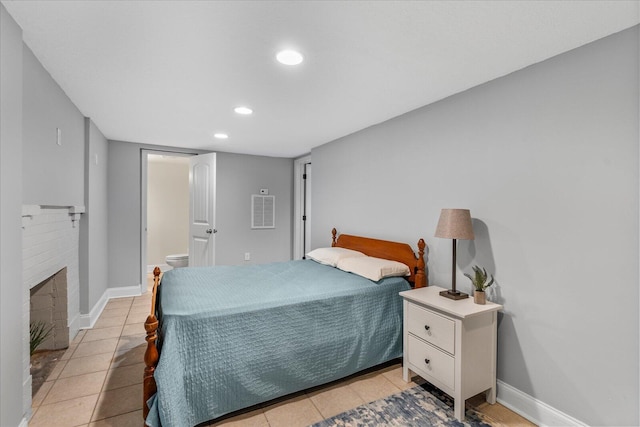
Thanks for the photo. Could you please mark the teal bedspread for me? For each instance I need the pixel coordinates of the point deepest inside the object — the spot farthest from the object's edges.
(235, 336)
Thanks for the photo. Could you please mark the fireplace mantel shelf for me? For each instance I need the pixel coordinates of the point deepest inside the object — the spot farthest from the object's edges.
(29, 211)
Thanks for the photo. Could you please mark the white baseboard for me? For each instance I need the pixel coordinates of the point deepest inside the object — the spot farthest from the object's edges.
(532, 409)
(124, 291)
(86, 321)
(24, 423)
(74, 326)
(26, 399)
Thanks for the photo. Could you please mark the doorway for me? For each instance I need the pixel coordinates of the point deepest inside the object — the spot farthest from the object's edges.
(165, 208)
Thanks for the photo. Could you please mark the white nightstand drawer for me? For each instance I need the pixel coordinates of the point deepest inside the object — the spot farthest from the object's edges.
(432, 328)
(431, 361)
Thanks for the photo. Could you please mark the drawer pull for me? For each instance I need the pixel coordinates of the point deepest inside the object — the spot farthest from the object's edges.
(427, 327)
(426, 361)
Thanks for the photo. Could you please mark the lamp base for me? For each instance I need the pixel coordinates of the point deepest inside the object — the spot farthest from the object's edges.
(455, 295)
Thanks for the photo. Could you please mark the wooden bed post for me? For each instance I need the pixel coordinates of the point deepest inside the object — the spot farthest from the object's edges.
(333, 238)
(421, 274)
(151, 354)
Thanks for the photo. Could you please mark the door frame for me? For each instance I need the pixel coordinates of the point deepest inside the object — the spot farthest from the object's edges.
(144, 160)
(298, 206)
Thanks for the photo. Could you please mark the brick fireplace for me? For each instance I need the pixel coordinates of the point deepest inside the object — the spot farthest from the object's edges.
(50, 264)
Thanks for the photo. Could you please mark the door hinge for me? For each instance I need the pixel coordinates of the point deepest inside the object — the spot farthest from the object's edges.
(304, 217)
(304, 176)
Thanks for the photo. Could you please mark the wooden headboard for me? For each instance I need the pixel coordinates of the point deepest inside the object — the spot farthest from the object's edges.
(396, 251)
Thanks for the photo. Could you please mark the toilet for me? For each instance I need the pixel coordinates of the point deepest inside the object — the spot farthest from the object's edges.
(177, 260)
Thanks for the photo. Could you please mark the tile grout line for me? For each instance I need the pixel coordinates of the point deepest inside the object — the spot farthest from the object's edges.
(315, 406)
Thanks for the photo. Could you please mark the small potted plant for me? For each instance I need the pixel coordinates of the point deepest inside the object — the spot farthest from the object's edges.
(479, 281)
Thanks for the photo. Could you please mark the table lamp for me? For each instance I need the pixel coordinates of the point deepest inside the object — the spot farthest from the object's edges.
(454, 224)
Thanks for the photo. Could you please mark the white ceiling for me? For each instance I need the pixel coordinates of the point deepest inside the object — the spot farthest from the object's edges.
(171, 72)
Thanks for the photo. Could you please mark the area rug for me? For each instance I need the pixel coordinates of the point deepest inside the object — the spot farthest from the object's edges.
(423, 405)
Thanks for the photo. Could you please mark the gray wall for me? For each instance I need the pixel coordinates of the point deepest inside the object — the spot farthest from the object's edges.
(66, 174)
(52, 174)
(35, 170)
(93, 226)
(238, 177)
(547, 160)
(11, 293)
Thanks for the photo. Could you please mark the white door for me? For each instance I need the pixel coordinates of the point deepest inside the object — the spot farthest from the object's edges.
(202, 203)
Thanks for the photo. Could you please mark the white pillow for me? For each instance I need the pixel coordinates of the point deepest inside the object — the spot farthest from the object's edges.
(373, 268)
(331, 256)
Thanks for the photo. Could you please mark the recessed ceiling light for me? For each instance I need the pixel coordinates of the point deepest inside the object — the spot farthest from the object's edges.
(243, 110)
(289, 57)
(220, 135)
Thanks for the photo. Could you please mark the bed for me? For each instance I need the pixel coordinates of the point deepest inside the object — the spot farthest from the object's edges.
(225, 338)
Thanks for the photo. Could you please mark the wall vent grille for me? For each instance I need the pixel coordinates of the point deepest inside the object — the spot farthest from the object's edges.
(263, 211)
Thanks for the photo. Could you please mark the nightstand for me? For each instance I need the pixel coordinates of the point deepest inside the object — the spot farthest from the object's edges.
(452, 344)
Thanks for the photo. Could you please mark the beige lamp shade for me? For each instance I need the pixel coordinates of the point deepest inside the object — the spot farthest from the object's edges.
(455, 224)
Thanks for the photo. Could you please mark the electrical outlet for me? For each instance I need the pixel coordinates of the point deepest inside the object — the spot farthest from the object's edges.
(247, 256)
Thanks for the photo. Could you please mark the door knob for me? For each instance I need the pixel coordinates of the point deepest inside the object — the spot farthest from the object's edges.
(209, 231)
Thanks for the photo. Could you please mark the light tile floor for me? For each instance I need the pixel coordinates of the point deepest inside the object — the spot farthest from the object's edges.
(98, 383)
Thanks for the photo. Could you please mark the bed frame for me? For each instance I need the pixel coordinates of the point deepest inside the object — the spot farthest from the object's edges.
(401, 252)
